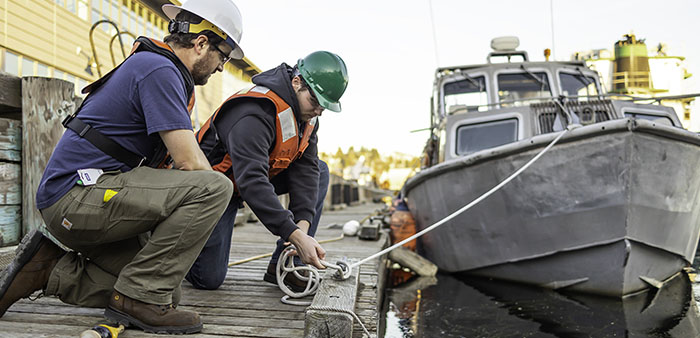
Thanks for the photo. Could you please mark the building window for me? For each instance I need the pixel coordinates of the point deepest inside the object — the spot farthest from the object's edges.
(79, 87)
(125, 19)
(27, 66)
(42, 69)
(83, 9)
(58, 74)
(70, 6)
(115, 13)
(95, 15)
(11, 63)
(70, 78)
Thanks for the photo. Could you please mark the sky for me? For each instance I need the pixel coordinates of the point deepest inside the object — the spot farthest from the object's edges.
(393, 47)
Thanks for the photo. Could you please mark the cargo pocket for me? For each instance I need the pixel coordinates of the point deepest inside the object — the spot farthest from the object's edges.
(84, 220)
(138, 205)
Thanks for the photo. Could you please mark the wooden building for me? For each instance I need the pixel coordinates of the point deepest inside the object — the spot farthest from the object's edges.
(44, 40)
(52, 39)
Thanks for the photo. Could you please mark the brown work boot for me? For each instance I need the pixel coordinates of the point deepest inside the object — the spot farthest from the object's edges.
(291, 281)
(151, 317)
(35, 257)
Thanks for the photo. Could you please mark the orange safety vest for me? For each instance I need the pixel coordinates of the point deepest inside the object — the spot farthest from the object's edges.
(288, 145)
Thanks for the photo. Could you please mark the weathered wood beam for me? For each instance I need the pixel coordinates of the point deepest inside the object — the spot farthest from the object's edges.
(10, 96)
(45, 102)
(10, 181)
(10, 140)
(340, 295)
(413, 261)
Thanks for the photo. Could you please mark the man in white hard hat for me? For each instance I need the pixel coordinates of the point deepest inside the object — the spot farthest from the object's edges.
(104, 190)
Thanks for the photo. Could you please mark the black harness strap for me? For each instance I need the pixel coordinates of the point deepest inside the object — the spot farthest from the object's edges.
(102, 142)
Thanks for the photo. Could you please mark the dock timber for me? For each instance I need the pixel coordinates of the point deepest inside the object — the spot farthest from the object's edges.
(245, 306)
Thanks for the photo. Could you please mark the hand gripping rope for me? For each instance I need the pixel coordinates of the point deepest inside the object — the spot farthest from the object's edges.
(285, 266)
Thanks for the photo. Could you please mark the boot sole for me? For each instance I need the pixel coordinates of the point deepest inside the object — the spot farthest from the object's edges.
(127, 320)
(26, 249)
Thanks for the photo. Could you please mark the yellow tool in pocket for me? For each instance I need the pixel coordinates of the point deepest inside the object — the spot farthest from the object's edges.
(109, 193)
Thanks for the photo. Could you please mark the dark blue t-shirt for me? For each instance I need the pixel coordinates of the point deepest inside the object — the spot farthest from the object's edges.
(144, 96)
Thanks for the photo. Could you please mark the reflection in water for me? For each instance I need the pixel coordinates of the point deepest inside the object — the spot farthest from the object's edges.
(475, 307)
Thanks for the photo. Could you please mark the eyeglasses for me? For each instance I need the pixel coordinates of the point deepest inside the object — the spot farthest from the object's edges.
(314, 101)
(224, 57)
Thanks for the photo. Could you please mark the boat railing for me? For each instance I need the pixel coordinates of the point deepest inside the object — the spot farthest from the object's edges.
(555, 115)
(631, 79)
(509, 103)
(613, 96)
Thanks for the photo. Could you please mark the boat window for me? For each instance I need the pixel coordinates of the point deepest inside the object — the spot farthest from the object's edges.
(517, 89)
(474, 137)
(650, 117)
(466, 95)
(577, 85)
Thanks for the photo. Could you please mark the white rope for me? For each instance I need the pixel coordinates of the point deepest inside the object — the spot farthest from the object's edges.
(332, 309)
(285, 266)
(466, 207)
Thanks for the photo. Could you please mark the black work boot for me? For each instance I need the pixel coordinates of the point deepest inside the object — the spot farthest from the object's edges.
(35, 257)
(151, 317)
(291, 281)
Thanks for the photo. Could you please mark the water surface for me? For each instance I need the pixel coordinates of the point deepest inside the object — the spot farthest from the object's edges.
(452, 306)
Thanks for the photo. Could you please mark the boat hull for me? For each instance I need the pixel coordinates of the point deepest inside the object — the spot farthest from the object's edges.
(612, 209)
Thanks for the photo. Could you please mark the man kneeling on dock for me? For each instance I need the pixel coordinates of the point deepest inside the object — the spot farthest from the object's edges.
(264, 140)
(135, 228)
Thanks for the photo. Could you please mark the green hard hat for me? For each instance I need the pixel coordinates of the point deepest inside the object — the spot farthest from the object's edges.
(327, 76)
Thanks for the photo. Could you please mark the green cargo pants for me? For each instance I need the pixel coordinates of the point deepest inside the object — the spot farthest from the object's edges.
(107, 226)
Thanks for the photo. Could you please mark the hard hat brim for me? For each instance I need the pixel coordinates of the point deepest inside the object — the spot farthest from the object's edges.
(172, 11)
(325, 103)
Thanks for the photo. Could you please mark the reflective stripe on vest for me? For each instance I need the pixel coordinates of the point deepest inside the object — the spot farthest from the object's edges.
(288, 146)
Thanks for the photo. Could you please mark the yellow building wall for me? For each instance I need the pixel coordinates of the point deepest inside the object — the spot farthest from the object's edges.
(52, 38)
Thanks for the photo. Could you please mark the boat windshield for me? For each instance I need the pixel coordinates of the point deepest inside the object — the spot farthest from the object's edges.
(479, 136)
(466, 95)
(577, 85)
(515, 89)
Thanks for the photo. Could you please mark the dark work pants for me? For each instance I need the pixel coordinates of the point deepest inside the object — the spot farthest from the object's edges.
(209, 270)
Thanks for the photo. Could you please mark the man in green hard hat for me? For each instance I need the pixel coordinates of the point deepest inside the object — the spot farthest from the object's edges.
(264, 139)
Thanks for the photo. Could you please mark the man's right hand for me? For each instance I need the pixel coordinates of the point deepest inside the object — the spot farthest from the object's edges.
(308, 248)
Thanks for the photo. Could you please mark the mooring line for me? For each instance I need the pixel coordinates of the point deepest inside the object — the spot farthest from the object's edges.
(468, 206)
(346, 274)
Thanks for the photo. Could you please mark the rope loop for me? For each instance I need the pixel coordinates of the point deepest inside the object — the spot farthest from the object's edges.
(285, 266)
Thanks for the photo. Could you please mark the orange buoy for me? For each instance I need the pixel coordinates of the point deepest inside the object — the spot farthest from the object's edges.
(402, 225)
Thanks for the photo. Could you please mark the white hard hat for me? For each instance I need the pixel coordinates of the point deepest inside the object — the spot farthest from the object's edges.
(221, 13)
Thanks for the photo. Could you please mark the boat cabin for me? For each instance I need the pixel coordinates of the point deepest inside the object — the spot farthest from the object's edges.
(478, 107)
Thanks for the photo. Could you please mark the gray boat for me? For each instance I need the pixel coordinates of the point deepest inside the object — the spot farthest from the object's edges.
(613, 208)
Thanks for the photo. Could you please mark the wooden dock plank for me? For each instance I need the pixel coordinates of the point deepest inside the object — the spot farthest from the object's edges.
(244, 306)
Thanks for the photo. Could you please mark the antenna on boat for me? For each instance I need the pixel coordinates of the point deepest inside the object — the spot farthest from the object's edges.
(432, 24)
(551, 19)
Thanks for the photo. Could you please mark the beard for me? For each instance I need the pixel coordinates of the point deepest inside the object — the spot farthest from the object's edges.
(200, 72)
